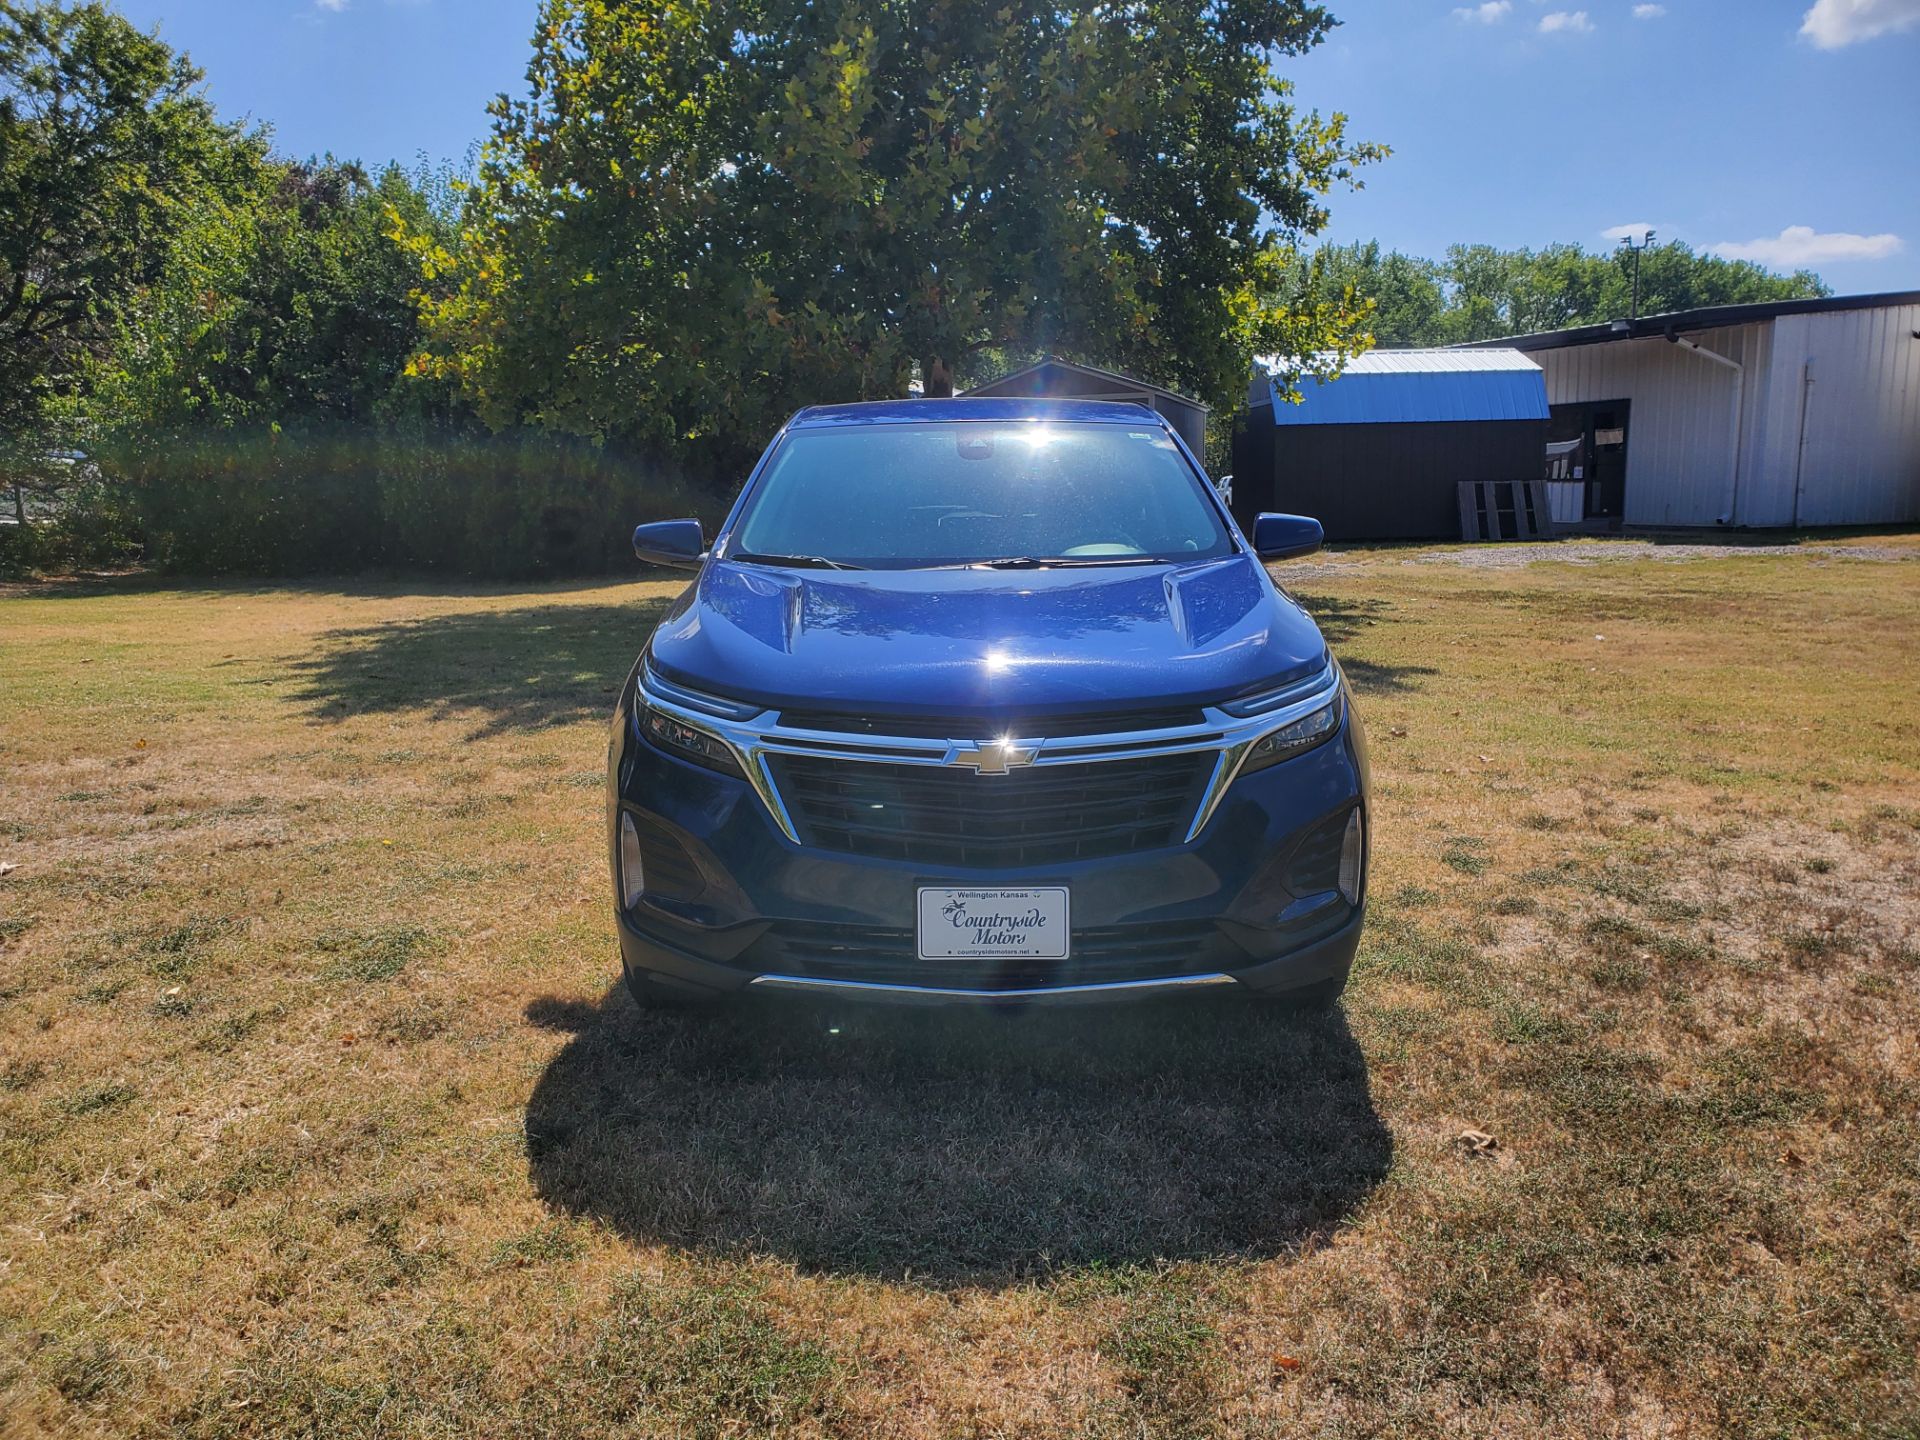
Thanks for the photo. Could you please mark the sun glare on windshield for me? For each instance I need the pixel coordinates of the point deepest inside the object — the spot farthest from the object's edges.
(981, 493)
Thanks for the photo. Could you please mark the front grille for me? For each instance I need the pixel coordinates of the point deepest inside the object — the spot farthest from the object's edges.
(1316, 859)
(1040, 815)
(884, 955)
(988, 727)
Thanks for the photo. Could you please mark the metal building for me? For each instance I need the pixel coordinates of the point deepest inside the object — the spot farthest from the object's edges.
(1068, 380)
(1380, 453)
(1802, 412)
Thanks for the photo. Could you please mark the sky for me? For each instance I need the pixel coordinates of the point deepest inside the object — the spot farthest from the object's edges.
(1783, 131)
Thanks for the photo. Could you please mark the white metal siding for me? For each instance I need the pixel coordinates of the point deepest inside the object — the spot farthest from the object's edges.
(1844, 447)
(1681, 424)
(1861, 419)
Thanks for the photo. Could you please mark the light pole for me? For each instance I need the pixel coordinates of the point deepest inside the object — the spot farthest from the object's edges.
(1626, 243)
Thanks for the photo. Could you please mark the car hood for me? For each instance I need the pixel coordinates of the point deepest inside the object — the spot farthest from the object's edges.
(1035, 642)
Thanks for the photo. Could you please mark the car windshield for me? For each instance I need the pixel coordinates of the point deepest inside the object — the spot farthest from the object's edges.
(979, 493)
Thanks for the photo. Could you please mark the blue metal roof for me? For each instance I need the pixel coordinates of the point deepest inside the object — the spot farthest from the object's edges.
(898, 412)
(1419, 387)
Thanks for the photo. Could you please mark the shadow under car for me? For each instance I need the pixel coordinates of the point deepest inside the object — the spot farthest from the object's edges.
(956, 1146)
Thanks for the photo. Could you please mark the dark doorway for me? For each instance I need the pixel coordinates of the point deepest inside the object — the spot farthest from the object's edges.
(1597, 431)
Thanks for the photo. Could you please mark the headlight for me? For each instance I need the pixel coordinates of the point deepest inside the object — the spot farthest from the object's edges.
(1294, 738)
(689, 742)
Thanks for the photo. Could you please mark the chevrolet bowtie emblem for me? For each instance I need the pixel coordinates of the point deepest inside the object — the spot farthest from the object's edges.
(991, 757)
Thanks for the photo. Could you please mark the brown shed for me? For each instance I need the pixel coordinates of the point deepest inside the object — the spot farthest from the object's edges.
(1066, 380)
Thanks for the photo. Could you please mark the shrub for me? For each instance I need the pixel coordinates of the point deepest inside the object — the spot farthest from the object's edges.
(277, 503)
(86, 525)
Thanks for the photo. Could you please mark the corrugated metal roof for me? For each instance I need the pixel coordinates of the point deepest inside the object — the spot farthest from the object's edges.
(1436, 361)
(1419, 387)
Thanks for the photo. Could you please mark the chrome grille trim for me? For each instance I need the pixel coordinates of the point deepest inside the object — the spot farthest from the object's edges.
(1229, 736)
(1097, 990)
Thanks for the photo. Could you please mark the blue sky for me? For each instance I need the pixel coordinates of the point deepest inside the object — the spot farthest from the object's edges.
(1785, 130)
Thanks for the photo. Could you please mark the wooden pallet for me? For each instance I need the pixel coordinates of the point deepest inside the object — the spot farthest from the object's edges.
(1504, 510)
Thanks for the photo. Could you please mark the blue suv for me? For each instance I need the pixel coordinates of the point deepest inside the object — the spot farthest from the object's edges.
(985, 700)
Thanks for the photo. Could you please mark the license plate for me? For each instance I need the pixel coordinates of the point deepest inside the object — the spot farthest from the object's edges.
(986, 924)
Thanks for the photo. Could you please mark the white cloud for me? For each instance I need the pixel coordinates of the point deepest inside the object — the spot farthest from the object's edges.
(1648, 12)
(1565, 22)
(1833, 23)
(1628, 232)
(336, 6)
(1491, 13)
(1799, 245)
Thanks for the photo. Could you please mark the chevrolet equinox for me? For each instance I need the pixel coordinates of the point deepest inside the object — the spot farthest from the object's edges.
(985, 700)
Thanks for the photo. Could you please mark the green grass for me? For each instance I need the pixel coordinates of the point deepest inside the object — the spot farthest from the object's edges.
(321, 1113)
(375, 953)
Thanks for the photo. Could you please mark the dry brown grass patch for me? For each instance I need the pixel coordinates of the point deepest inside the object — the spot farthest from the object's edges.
(317, 1114)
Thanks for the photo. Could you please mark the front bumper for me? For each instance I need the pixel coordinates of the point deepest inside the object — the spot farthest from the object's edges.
(1312, 964)
(745, 906)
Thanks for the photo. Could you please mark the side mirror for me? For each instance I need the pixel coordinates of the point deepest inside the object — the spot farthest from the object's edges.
(675, 543)
(1281, 537)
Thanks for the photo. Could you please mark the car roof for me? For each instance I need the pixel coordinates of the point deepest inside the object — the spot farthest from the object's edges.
(984, 407)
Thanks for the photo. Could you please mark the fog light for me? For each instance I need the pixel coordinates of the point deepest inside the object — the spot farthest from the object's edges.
(1353, 849)
(633, 881)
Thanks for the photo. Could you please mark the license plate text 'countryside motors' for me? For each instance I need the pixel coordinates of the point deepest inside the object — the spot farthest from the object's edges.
(980, 924)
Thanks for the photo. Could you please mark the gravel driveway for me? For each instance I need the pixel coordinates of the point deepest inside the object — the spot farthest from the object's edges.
(1510, 556)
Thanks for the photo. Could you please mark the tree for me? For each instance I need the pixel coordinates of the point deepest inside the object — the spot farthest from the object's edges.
(289, 305)
(1480, 292)
(710, 211)
(1673, 277)
(104, 145)
(251, 405)
(1404, 290)
(1492, 293)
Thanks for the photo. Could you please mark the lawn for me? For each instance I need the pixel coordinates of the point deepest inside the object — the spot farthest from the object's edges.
(320, 1112)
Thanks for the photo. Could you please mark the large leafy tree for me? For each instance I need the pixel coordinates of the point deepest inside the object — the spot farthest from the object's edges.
(1480, 292)
(709, 211)
(250, 407)
(1404, 290)
(290, 305)
(1493, 292)
(105, 145)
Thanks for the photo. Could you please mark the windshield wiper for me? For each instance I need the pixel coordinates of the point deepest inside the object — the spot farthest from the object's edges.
(814, 561)
(1028, 562)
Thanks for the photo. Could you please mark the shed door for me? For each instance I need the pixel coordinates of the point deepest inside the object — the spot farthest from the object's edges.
(1598, 430)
